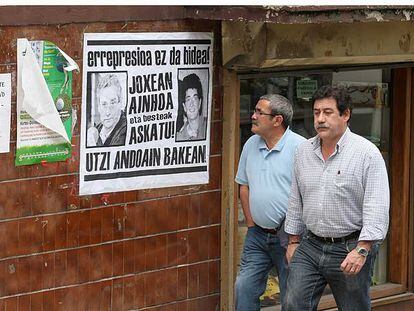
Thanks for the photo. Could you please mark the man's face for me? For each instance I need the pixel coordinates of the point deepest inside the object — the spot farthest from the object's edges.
(109, 107)
(192, 104)
(327, 121)
(262, 120)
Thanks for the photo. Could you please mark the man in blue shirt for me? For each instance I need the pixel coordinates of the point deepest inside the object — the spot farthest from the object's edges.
(264, 175)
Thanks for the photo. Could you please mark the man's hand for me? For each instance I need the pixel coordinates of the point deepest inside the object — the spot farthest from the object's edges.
(244, 199)
(353, 263)
(290, 251)
(249, 222)
(293, 244)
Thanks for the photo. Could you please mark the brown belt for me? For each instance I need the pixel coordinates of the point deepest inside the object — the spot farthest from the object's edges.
(352, 236)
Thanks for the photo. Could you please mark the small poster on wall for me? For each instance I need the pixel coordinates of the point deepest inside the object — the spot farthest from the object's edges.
(44, 103)
(5, 111)
(146, 103)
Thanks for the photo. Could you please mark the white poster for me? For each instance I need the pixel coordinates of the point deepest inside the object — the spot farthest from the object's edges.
(5, 111)
(146, 109)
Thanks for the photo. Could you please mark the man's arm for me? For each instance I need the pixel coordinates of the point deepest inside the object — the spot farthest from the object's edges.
(244, 198)
(294, 225)
(376, 203)
(243, 180)
(375, 212)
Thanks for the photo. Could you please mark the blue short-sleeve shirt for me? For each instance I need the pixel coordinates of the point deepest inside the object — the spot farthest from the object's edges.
(268, 174)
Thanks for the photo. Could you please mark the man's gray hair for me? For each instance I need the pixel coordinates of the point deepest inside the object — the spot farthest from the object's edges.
(111, 80)
(280, 105)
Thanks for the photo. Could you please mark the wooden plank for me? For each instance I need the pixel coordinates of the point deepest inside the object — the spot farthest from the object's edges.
(411, 209)
(301, 15)
(345, 60)
(270, 45)
(380, 292)
(231, 99)
(403, 302)
(400, 177)
(28, 15)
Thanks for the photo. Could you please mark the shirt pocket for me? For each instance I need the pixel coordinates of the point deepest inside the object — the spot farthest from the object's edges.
(344, 180)
(345, 185)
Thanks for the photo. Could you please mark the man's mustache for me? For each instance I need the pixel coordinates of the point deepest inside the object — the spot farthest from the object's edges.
(321, 126)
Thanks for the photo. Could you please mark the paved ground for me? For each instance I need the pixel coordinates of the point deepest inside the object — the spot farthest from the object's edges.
(272, 308)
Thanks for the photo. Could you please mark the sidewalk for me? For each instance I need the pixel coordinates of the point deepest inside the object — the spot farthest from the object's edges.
(271, 308)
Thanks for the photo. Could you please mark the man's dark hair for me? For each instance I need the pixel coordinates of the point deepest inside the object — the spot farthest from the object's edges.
(192, 81)
(339, 93)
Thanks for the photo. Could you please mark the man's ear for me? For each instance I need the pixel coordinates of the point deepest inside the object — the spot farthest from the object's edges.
(347, 114)
(184, 107)
(278, 120)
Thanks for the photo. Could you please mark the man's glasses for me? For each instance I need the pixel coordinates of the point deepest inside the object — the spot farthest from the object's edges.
(258, 112)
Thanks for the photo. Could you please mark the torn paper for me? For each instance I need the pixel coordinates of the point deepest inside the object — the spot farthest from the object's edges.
(44, 102)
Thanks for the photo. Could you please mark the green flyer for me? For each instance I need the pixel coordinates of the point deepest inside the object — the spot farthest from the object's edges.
(44, 103)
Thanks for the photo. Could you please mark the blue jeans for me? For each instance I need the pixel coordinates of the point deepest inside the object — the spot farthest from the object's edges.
(315, 264)
(261, 252)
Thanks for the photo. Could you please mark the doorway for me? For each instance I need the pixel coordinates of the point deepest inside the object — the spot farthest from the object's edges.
(370, 91)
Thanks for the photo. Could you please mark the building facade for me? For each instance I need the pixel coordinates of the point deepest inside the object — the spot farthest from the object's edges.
(177, 248)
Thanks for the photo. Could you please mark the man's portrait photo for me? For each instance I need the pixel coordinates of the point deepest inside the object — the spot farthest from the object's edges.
(192, 113)
(106, 117)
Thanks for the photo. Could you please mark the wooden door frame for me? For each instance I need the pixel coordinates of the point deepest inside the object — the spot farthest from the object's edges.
(229, 197)
(401, 259)
(400, 176)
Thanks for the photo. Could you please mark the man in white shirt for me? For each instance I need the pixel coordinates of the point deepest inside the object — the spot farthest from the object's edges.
(340, 197)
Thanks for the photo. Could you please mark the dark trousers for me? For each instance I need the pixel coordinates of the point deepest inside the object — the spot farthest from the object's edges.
(315, 264)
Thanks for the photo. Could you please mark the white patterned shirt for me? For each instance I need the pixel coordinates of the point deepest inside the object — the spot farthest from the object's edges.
(346, 193)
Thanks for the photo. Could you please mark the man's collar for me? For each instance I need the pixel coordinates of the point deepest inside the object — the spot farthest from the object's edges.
(316, 141)
(343, 140)
(280, 144)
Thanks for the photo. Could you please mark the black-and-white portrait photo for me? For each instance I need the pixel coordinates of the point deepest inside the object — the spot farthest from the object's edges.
(107, 124)
(192, 119)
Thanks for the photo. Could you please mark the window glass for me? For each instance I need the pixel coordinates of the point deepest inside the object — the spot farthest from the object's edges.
(369, 90)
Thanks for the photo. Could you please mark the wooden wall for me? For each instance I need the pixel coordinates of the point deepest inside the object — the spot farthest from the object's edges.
(148, 250)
